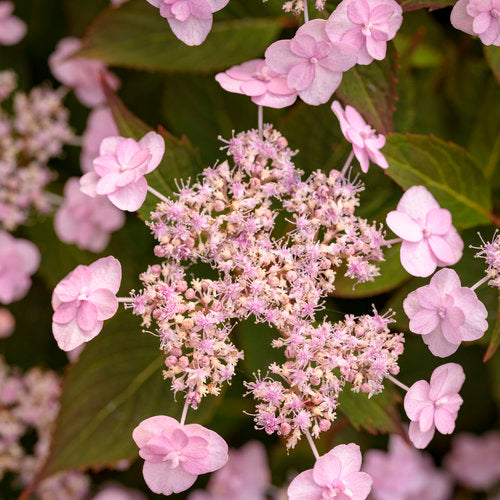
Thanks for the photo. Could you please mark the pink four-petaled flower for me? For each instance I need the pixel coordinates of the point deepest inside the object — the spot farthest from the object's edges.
(434, 405)
(175, 455)
(83, 300)
(478, 17)
(335, 475)
(12, 29)
(190, 20)
(429, 238)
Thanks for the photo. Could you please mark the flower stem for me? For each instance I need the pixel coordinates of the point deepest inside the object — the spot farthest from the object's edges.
(479, 283)
(125, 300)
(157, 194)
(184, 412)
(388, 243)
(397, 382)
(306, 12)
(260, 120)
(347, 163)
(55, 199)
(311, 444)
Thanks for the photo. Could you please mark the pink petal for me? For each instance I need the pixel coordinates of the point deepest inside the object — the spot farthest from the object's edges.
(359, 483)
(271, 100)
(420, 439)
(12, 30)
(161, 479)
(86, 316)
(341, 58)
(358, 12)
(278, 86)
(64, 313)
(314, 28)
(377, 49)
(438, 221)
(217, 5)
(303, 487)
(228, 83)
(481, 22)
(445, 423)
(424, 322)
(417, 258)
(106, 164)
(456, 243)
(475, 314)
(130, 197)
(429, 297)
(126, 150)
(404, 226)
(327, 468)
(438, 345)
(353, 136)
(88, 184)
(445, 281)
(354, 118)
(106, 303)
(411, 304)
(181, 10)
(460, 19)
(301, 76)
(107, 184)
(218, 450)
(155, 144)
(416, 399)
(69, 336)
(280, 58)
(152, 426)
(491, 35)
(193, 31)
(426, 418)
(446, 379)
(303, 46)
(417, 202)
(109, 145)
(29, 254)
(441, 249)
(106, 273)
(363, 158)
(350, 456)
(253, 88)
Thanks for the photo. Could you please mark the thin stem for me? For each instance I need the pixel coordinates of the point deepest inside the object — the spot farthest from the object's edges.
(397, 382)
(388, 243)
(76, 141)
(480, 282)
(184, 412)
(55, 199)
(157, 194)
(260, 120)
(306, 12)
(311, 444)
(125, 300)
(347, 163)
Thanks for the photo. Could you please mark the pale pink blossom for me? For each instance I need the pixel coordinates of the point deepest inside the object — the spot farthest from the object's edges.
(429, 238)
(83, 300)
(7, 323)
(367, 25)
(120, 169)
(80, 73)
(335, 475)
(474, 461)
(403, 473)
(74, 354)
(435, 405)
(100, 124)
(190, 20)
(312, 64)
(85, 221)
(246, 476)
(12, 29)
(480, 18)
(19, 259)
(262, 84)
(445, 313)
(117, 492)
(175, 455)
(366, 144)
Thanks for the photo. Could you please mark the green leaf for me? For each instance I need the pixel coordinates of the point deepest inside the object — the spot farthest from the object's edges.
(493, 57)
(136, 36)
(446, 169)
(495, 337)
(409, 5)
(371, 89)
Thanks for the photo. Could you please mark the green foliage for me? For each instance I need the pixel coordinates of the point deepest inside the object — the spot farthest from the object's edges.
(495, 337)
(492, 54)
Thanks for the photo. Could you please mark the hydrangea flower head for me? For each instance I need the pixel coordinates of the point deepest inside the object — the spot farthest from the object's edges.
(80, 73)
(190, 20)
(312, 64)
(335, 475)
(429, 238)
(478, 17)
(365, 142)
(85, 221)
(367, 25)
(19, 259)
(12, 29)
(83, 300)
(445, 313)
(434, 405)
(175, 455)
(120, 169)
(262, 84)
(490, 252)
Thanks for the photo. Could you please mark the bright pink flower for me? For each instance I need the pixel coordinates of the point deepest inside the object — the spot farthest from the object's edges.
(365, 142)
(445, 313)
(12, 29)
(403, 473)
(474, 461)
(83, 300)
(429, 239)
(100, 124)
(190, 20)
(435, 405)
(7, 323)
(120, 169)
(480, 18)
(312, 64)
(85, 221)
(262, 84)
(80, 73)
(335, 475)
(19, 259)
(175, 455)
(365, 24)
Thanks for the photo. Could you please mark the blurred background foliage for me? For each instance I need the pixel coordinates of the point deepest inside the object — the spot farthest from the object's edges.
(436, 82)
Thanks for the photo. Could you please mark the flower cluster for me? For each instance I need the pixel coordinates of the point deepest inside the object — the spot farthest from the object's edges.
(298, 6)
(29, 402)
(490, 252)
(35, 132)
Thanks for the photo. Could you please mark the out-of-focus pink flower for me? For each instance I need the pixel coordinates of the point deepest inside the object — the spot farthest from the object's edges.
(85, 221)
(120, 169)
(429, 238)
(117, 492)
(7, 323)
(246, 476)
(404, 473)
(365, 142)
(445, 313)
(435, 405)
(83, 300)
(12, 29)
(80, 73)
(262, 84)
(367, 25)
(175, 455)
(118, 2)
(19, 259)
(74, 354)
(190, 20)
(474, 461)
(335, 475)
(478, 17)
(312, 64)
(100, 124)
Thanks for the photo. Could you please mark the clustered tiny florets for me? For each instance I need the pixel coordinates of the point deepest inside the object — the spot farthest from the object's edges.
(490, 252)
(297, 6)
